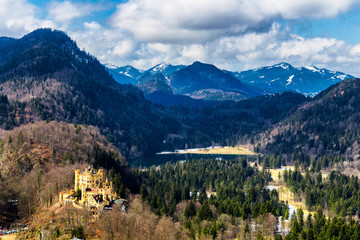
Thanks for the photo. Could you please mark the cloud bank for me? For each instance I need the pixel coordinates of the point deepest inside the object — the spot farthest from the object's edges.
(232, 34)
(179, 21)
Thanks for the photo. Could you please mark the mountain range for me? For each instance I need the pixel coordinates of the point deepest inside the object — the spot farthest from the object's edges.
(197, 81)
(45, 76)
(207, 82)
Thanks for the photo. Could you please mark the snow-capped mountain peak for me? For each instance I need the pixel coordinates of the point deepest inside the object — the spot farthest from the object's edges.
(165, 68)
(313, 68)
(111, 66)
(160, 67)
(283, 65)
(284, 77)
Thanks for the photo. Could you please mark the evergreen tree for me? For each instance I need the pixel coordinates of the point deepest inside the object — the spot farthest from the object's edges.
(205, 212)
(190, 210)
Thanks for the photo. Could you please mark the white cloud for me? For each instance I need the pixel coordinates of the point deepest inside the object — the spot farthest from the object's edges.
(355, 51)
(92, 25)
(188, 21)
(67, 11)
(124, 48)
(20, 17)
(64, 12)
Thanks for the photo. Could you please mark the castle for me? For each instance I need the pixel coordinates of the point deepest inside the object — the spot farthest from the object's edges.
(96, 191)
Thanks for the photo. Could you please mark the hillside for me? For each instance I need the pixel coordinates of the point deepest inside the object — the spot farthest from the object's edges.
(31, 146)
(329, 124)
(45, 76)
(150, 83)
(37, 161)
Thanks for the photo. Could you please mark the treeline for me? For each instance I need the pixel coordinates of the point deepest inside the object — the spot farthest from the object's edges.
(339, 193)
(209, 188)
(302, 161)
(318, 227)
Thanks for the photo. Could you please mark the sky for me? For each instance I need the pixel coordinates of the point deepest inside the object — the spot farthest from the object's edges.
(231, 34)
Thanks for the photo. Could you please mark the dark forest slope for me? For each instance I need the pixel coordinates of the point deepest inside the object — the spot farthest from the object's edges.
(327, 125)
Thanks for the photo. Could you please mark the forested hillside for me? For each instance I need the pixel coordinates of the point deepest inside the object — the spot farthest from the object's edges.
(327, 125)
(230, 123)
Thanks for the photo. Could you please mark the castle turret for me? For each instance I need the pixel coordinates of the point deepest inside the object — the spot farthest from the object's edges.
(83, 195)
(77, 176)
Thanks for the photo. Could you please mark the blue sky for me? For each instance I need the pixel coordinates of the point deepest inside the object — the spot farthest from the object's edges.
(232, 34)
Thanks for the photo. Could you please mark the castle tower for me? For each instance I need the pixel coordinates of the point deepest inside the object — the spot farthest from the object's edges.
(77, 176)
(101, 174)
(88, 178)
(83, 195)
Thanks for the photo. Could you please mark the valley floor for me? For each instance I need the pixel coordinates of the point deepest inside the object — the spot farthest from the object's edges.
(238, 150)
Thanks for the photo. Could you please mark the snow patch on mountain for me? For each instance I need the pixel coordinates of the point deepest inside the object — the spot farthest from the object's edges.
(342, 77)
(276, 79)
(290, 79)
(110, 66)
(126, 73)
(283, 66)
(313, 68)
(159, 68)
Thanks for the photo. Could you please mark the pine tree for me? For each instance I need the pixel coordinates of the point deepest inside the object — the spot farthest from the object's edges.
(205, 212)
(190, 210)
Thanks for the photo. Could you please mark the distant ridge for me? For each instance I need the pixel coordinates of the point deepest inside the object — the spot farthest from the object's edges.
(207, 82)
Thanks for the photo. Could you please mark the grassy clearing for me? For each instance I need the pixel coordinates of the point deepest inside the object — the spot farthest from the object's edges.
(8, 237)
(284, 193)
(275, 172)
(238, 150)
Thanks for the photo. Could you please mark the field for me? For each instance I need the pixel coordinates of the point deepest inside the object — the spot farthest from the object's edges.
(238, 150)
